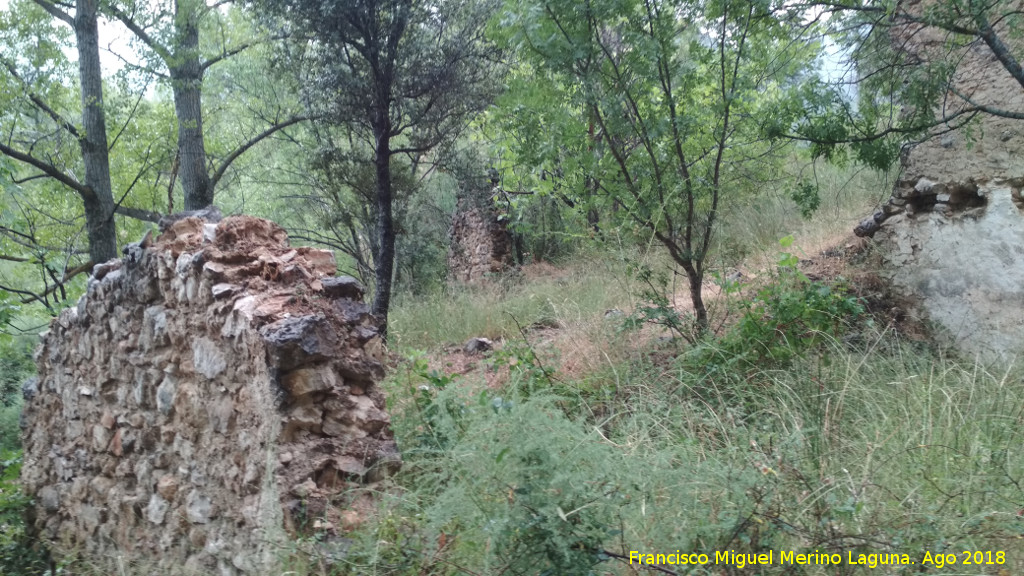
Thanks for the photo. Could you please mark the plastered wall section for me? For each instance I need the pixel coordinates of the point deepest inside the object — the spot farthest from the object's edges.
(953, 233)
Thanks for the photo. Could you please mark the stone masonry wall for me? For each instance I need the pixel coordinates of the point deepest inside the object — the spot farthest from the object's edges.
(206, 394)
(481, 244)
(953, 231)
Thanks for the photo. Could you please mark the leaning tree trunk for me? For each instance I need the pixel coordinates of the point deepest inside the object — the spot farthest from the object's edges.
(385, 260)
(99, 205)
(187, 83)
(695, 278)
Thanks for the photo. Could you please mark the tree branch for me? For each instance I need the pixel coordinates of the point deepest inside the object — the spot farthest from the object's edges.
(40, 103)
(988, 109)
(222, 169)
(138, 214)
(141, 33)
(1001, 51)
(68, 275)
(84, 191)
(131, 115)
(237, 49)
(56, 12)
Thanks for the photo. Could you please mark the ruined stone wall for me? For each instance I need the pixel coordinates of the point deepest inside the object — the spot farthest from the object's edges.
(953, 233)
(480, 242)
(206, 396)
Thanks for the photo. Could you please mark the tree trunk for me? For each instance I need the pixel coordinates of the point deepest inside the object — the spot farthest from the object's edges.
(99, 207)
(385, 260)
(187, 83)
(696, 281)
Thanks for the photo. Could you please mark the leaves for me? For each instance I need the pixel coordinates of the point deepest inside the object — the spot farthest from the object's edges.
(651, 111)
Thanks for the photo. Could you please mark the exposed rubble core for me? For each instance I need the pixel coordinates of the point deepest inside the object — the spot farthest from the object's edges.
(952, 232)
(480, 242)
(208, 394)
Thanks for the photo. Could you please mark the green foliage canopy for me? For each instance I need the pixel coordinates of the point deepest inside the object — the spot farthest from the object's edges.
(653, 109)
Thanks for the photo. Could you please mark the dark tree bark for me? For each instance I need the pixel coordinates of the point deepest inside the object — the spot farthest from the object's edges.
(405, 76)
(385, 257)
(187, 84)
(99, 205)
(95, 192)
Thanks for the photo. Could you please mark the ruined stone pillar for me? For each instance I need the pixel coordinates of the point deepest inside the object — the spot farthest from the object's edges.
(204, 399)
(480, 241)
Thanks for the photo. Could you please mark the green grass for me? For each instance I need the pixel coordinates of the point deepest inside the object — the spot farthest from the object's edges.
(882, 447)
(750, 226)
(497, 310)
(866, 448)
(599, 280)
(884, 450)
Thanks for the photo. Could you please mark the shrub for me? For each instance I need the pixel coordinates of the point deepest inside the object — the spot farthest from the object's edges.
(20, 554)
(885, 450)
(789, 317)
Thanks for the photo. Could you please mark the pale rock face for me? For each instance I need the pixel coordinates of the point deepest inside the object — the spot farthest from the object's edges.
(208, 358)
(219, 349)
(198, 507)
(157, 509)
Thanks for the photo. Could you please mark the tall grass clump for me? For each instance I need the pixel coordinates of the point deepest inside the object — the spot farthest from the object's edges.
(881, 450)
(20, 553)
(10, 432)
(894, 451)
(844, 195)
(499, 309)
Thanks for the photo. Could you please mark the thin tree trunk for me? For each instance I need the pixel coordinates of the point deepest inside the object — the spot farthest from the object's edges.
(187, 83)
(385, 260)
(593, 184)
(696, 281)
(99, 207)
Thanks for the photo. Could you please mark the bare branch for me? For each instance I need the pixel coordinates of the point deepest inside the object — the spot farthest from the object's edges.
(238, 49)
(141, 33)
(84, 191)
(58, 285)
(222, 169)
(39, 102)
(56, 12)
(138, 214)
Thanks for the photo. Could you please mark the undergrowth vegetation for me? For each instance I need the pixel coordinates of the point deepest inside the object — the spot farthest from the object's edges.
(451, 315)
(802, 427)
(592, 434)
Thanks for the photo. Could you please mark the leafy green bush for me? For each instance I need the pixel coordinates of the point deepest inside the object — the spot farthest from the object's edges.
(790, 317)
(15, 366)
(20, 554)
(881, 450)
(787, 318)
(655, 307)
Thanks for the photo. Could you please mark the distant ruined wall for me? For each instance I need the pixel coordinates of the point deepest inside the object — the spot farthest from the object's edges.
(480, 241)
(953, 234)
(206, 395)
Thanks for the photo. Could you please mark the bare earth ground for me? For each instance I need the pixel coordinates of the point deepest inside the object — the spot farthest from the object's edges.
(584, 346)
